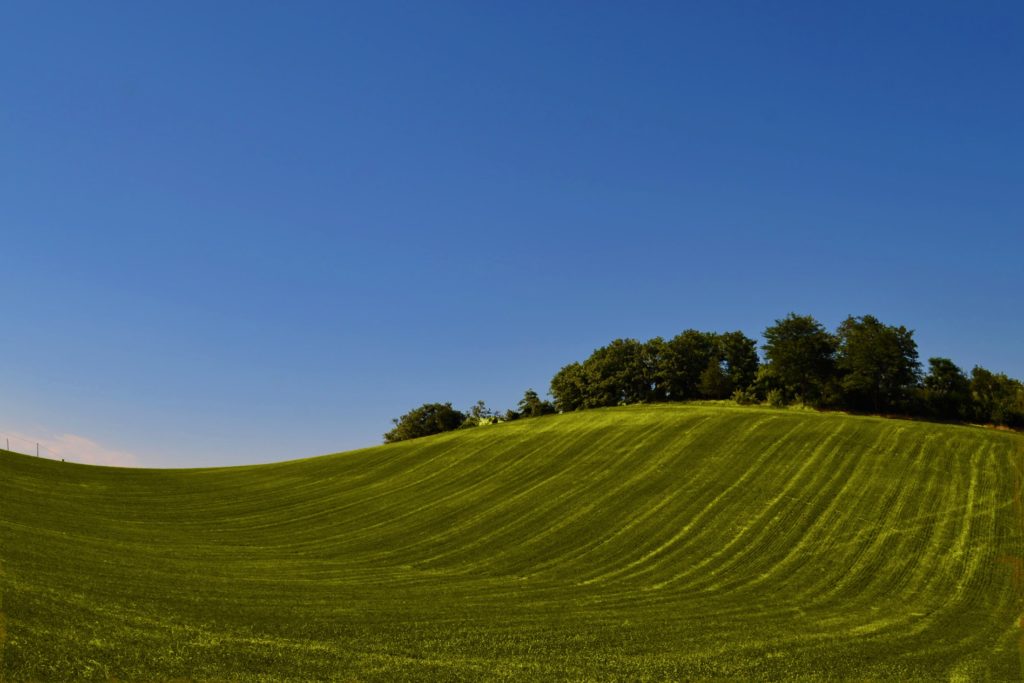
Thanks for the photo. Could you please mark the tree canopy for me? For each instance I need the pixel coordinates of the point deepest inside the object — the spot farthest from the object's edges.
(429, 418)
(997, 398)
(946, 391)
(531, 405)
(877, 363)
(801, 354)
(689, 366)
(865, 365)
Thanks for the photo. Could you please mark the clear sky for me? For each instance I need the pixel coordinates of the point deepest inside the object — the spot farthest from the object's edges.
(244, 232)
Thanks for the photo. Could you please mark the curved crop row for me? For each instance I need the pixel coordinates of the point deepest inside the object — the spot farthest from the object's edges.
(650, 542)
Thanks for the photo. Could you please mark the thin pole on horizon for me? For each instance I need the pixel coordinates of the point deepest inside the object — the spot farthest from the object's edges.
(37, 449)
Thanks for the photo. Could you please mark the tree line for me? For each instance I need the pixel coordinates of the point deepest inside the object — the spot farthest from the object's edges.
(863, 366)
(434, 418)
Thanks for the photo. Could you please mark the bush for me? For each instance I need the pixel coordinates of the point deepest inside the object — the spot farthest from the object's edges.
(745, 397)
(429, 418)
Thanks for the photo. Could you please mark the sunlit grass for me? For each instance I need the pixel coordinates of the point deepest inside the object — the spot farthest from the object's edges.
(657, 542)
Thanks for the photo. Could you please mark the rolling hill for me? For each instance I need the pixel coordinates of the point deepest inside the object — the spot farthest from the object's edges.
(646, 542)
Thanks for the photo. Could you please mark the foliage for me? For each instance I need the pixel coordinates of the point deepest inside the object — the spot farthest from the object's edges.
(877, 363)
(946, 391)
(998, 399)
(765, 381)
(745, 397)
(715, 383)
(685, 357)
(478, 415)
(801, 354)
(689, 366)
(738, 353)
(429, 418)
(531, 405)
(569, 387)
(617, 374)
(864, 366)
(776, 398)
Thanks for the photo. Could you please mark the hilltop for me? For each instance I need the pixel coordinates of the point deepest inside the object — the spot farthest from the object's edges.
(645, 542)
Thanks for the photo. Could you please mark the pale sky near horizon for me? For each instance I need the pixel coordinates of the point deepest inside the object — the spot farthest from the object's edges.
(245, 232)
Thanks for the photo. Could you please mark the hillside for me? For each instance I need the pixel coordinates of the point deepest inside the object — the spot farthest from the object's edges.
(659, 542)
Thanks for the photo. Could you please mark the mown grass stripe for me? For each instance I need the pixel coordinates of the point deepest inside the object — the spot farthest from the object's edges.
(783, 545)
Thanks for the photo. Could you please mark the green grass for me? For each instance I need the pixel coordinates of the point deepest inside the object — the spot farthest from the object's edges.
(649, 542)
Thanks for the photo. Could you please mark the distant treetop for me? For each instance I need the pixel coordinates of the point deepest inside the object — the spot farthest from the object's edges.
(865, 366)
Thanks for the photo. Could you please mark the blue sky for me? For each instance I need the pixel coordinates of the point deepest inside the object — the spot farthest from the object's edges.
(244, 232)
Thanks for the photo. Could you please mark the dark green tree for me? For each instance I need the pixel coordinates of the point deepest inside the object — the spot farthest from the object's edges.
(652, 359)
(569, 388)
(946, 391)
(801, 356)
(715, 383)
(997, 398)
(739, 353)
(682, 361)
(481, 411)
(766, 381)
(877, 363)
(532, 405)
(616, 375)
(430, 418)
(479, 414)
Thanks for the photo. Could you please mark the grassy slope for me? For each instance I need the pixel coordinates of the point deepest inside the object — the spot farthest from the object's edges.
(643, 542)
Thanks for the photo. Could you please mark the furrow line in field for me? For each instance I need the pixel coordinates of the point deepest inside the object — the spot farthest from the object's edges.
(729, 507)
(759, 555)
(758, 523)
(906, 556)
(630, 570)
(820, 524)
(978, 571)
(335, 529)
(913, 549)
(850, 482)
(957, 566)
(866, 556)
(518, 510)
(298, 512)
(562, 511)
(627, 518)
(625, 515)
(833, 568)
(426, 494)
(546, 470)
(236, 491)
(452, 499)
(655, 529)
(882, 603)
(750, 573)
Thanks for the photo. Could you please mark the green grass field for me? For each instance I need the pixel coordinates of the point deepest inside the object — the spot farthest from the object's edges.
(649, 542)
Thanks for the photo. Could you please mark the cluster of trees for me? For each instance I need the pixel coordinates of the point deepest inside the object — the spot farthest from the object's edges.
(872, 367)
(689, 366)
(863, 366)
(434, 418)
